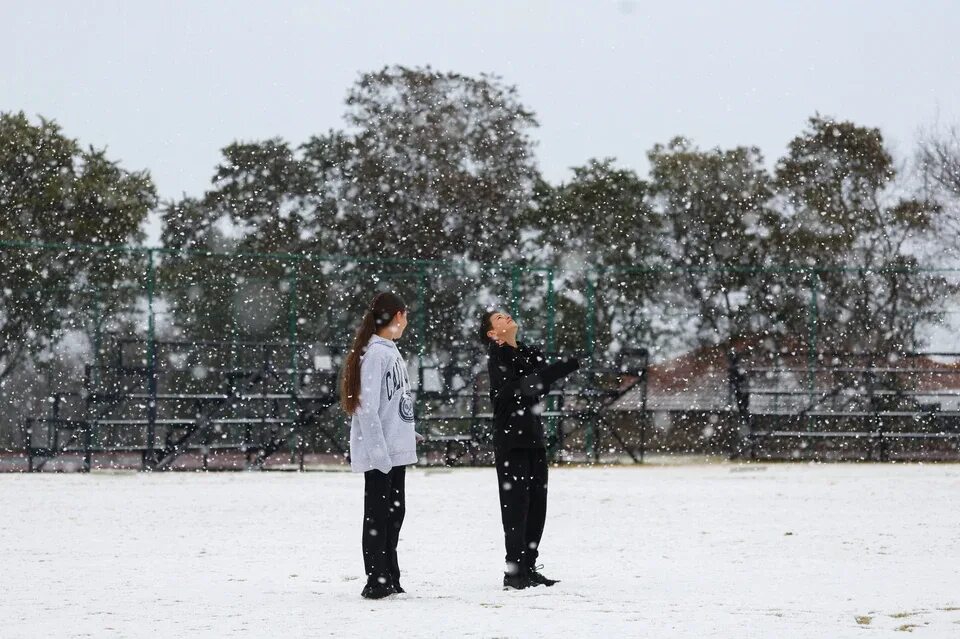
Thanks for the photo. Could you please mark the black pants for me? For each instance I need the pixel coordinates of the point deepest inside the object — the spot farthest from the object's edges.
(384, 505)
(522, 473)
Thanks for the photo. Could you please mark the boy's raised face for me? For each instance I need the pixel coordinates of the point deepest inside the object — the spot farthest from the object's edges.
(502, 327)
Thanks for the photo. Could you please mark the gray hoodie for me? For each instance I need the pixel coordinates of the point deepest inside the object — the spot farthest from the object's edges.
(381, 429)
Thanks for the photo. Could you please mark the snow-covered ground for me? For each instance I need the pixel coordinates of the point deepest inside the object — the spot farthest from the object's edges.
(720, 550)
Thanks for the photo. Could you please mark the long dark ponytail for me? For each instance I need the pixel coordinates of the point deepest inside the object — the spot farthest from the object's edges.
(382, 309)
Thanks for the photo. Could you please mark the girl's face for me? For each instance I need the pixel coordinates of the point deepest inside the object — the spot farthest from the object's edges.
(399, 322)
(502, 327)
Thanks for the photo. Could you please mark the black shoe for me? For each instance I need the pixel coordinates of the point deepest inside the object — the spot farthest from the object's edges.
(537, 579)
(377, 591)
(397, 588)
(516, 582)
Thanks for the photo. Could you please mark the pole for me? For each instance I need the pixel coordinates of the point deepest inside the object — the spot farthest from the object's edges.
(591, 316)
(293, 283)
(293, 408)
(515, 291)
(812, 343)
(421, 325)
(149, 458)
(553, 424)
(551, 313)
(97, 333)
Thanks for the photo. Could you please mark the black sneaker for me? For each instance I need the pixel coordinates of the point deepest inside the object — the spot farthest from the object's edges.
(397, 588)
(537, 579)
(518, 581)
(377, 591)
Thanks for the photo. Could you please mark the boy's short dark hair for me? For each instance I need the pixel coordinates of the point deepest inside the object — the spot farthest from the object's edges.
(485, 326)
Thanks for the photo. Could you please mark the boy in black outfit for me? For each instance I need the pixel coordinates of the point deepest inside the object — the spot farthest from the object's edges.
(519, 378)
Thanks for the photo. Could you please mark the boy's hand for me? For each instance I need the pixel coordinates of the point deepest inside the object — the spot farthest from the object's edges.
(420, 438)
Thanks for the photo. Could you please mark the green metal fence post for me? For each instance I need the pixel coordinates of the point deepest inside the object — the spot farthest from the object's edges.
(553, 423)
(97, 334)
(515, 291)
(590, 437)
(591, 311)
(812, 318)
(292, 336)
(551, 313)
(149, 455)
(421, 324)
(292, 320)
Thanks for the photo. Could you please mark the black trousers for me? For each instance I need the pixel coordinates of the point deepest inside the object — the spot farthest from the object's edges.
(522, 473)
(384, 505)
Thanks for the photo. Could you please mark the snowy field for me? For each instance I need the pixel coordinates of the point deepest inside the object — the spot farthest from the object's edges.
(719, 550)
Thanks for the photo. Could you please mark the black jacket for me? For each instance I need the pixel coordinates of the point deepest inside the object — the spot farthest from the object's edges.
(519, 378)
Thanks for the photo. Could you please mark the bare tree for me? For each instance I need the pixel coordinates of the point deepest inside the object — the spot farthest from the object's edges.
(939, 160)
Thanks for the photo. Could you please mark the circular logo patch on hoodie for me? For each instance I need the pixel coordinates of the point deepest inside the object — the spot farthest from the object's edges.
(406, 408)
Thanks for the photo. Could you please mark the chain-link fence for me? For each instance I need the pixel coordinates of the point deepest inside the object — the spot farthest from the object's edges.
(68, 311)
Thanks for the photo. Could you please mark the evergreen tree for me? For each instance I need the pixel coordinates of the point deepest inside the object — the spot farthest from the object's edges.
(841, 220)
(54, 191)
(715, 207)
(441, 165)
(600, 233)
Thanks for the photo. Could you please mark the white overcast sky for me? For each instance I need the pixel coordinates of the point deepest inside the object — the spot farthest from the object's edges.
(165, 85)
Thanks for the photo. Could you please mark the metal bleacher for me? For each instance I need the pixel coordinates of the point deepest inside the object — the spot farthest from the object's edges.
(166, 399)
(855, 406)
(180, 404)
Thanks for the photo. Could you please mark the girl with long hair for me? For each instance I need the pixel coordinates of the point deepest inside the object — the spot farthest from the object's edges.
(375, 392)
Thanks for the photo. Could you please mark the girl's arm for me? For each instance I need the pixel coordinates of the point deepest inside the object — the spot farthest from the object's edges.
(368, 414)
